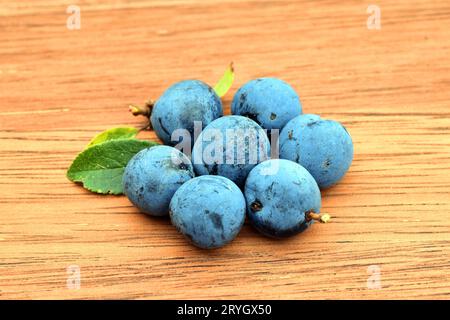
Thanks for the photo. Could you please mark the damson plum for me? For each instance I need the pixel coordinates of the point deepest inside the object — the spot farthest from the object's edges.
(208, 210)
(270, 102)
(283, 199)
(323, 147)
(230, 147)
(180, 106)
(153, 175)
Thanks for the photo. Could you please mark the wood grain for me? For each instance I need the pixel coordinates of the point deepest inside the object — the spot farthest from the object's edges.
(390, 87)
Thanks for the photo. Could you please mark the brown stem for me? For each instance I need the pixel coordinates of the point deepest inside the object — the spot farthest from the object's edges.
(321, 217)
(145, 110)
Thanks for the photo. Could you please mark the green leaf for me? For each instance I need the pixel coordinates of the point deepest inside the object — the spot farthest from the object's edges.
(114, 134)
(100, 167)
(225, 83)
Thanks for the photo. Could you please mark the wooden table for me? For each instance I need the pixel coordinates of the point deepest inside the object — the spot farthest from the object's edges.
(390, 87)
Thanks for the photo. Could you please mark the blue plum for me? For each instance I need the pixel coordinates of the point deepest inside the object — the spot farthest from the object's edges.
(230, 146)
(270, 102)
(208, 210)
(153, 175)
(280, 196)
(323, 147)
(182, 104)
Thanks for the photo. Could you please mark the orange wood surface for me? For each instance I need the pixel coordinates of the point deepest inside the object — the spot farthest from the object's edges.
(390, 87)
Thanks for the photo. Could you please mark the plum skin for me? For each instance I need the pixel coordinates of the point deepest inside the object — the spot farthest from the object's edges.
(153, 175)
(230, 166)
(270, 102)
(180, 105)
(278, 202)
(208, 210)
(323, 147)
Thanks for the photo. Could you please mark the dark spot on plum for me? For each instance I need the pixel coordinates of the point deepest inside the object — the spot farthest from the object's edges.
(313, 123)
(152, 188)
(183, 166)
(242, 100)
(256, 206)
(216, 219)
(290, 133)
(327, 163)
(273, 116)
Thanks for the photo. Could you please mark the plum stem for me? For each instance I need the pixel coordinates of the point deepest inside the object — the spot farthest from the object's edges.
(321, 217)
(146, 110)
